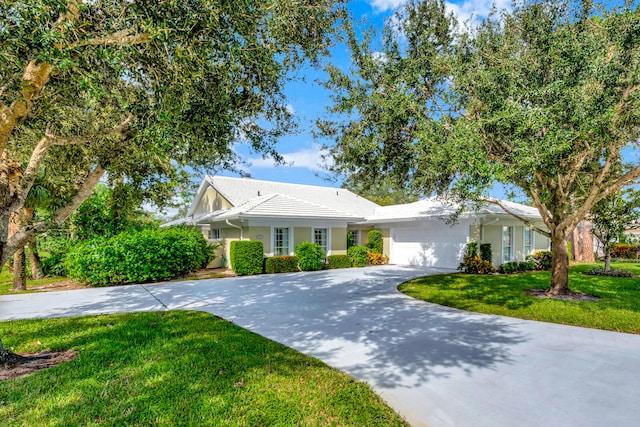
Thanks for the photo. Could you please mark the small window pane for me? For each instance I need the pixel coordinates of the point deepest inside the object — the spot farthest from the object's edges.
(280, 241)
(214, 234)
(507, 244)
(528, 241)
(320, 236)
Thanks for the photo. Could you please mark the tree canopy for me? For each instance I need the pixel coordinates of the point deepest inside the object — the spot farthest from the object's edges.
(141, 89)
(544, 96)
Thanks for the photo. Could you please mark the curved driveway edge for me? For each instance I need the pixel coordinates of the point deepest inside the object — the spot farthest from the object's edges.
(436, 366)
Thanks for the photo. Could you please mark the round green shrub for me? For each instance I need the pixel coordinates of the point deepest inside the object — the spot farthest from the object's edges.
(247, 257)
(358, 255)
(139, 256)
(310, 256)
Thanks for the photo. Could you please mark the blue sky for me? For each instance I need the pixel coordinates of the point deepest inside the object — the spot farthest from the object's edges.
(309, 100)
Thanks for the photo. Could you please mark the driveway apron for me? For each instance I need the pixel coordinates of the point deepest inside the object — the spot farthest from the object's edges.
(434, 365)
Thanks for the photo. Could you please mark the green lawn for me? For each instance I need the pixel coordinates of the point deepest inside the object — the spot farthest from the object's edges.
(618, 309)
(177, 368)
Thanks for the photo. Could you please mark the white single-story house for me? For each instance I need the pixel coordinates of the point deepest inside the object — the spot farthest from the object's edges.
(284, 215)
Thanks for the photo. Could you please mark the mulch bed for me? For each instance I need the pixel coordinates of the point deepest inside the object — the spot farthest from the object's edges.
(20, 365)
(573, 295)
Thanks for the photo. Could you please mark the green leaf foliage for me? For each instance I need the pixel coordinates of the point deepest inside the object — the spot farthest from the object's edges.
(310, 256)
(247, 257)
(338, 261)
(485, 252)
(139, 256)
(375, 241)
(108, 212)
(473, 264)
(358, 256)
(281, 264)
(472, 249)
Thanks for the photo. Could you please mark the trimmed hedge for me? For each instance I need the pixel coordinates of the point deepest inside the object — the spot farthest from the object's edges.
(518, 266)
(281, 264)
(139, 256)
(375, 241)
(247, 257)
(310, 256)
(338, 261)
(358, 256)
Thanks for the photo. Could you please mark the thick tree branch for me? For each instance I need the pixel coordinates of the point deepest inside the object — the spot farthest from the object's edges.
(85, 190)
(40, 152)
(587, 206)
(119, 38)
(526, 221)
(19, 239)
(34, 78)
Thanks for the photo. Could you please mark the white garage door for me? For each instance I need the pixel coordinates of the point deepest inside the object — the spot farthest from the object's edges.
(429, 243)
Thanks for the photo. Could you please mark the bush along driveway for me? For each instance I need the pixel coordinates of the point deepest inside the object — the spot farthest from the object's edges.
(436, 366)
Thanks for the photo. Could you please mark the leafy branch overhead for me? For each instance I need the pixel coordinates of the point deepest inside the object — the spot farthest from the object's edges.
(141, 90)
(544, 96)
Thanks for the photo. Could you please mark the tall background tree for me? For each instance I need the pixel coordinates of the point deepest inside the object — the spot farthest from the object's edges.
(139, 91)
(613, 215)
(544, 96)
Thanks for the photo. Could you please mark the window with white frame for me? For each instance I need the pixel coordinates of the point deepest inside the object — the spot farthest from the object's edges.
(353, 238)
(507, 244)
(214, 234)
(528, 241)
(281, 241)
(321, 237)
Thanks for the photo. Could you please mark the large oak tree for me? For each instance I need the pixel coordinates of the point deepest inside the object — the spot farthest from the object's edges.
(139, 90)
(544, 97)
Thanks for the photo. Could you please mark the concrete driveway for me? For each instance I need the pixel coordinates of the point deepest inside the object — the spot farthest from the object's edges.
(436, 366)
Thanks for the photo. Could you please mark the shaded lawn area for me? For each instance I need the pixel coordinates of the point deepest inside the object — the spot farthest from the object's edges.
(177, 368)
(618, 309)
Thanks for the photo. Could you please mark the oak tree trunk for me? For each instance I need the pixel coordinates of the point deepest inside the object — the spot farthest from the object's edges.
(34, 261)
(19, 274)
(560, 268)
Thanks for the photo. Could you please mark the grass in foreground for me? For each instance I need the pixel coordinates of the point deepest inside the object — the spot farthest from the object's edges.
(618, 309)
(177, 368)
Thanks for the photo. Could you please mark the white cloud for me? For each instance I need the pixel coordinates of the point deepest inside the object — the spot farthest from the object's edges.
(473, 10)
(290, 109)
(467, 10)
(384, 5)
(379, 57)
(309, 158)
